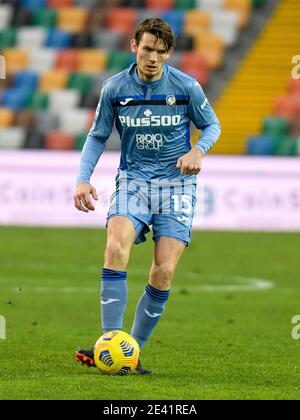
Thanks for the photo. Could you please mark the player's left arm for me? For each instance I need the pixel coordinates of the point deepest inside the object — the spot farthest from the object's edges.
(204, 118)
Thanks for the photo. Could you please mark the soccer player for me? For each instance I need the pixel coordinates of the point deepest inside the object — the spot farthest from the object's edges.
(152, 106)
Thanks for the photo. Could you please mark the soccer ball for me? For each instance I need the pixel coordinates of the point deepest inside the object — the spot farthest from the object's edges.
(116, 353)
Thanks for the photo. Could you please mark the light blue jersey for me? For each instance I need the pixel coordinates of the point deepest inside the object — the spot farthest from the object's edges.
(153, 120)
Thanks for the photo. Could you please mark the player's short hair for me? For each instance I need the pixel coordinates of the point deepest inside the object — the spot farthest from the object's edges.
(158, 27)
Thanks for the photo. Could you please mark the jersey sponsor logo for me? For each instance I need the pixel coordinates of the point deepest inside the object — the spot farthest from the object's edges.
(126, 101)
(171, 101)
(152, 315)
(151, 121)
(149, 141)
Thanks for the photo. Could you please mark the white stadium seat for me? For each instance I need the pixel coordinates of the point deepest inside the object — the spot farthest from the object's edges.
(74, 121)
(63, 100)
(210, 4)
(42, 60)
(6, 12)
(12, 138)
(225, 23)
(28, 37)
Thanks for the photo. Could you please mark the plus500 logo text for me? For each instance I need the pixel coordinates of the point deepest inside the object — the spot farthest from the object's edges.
(151, 121)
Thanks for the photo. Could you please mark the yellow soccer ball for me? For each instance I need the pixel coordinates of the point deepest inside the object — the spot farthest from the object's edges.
(116, 353)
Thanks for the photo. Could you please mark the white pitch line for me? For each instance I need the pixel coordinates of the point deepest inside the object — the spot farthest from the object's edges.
(234, 284)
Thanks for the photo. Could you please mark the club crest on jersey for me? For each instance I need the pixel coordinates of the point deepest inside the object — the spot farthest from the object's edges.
(171, 101)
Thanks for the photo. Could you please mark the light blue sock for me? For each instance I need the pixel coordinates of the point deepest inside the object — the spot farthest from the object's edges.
(148, 313)
(113, 299)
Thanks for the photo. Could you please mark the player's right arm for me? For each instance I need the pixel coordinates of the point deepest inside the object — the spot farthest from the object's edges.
(91, 152)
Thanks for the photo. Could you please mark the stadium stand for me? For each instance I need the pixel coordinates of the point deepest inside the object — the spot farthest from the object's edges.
(59, 52)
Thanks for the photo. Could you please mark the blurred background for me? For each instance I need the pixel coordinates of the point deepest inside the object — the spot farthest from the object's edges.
(57, 53)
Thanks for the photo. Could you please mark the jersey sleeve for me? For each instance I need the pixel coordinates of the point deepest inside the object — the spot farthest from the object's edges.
(204, 118)
(97, 137)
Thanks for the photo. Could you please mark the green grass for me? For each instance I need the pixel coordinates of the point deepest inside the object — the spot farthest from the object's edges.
(209, 345)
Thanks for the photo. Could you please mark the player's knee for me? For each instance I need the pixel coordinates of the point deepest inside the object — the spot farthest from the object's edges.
(161, 276)
(116, 255)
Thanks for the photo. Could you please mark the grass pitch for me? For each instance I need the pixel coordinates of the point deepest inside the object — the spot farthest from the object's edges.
(226, 332)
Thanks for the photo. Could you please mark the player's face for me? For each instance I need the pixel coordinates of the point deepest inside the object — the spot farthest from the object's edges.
(151, 54)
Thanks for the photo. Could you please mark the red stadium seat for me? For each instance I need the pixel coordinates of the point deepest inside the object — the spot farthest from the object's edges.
(195, 64)
(160, 4)
(59, 3)
(294, 86)
(287, 106)
(57, 140)
(67, 60)
(121, 20)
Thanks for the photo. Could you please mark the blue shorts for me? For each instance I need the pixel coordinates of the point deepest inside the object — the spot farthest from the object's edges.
(168, 207)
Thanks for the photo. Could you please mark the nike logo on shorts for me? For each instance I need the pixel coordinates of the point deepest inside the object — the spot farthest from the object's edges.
(126, 101)
(154, 315)
(106, 302)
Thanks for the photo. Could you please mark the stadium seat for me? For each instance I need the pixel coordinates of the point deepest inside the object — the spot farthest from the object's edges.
(276, 127)
(6, 13)
(195, 64)
(160, 4)
(242, 7)
(53, 80)
(15, 98)
(67, 60)
(16, 60)
(82, 40)
(46, 122)
(8, 38)
(287, 146)
(107, 39)
(175, 18)
(41, 60)
(287, 106)
(45, 17)
(26, 79)
(119, 60)
(294, 86)
(196, 22)
(31, 37)
(80, 81)
(25, 119)
(92, 61)
(184, 42)
(38, 101)
(79, 141)
(98, 80)
(72, 19)
(6, 117)
(22, 17)
(63, 99)
(212, 47)
(12, 138)
(57, 140)
(90, 4)
(210, 4)
(185, 4)
(56, 4)
(225, 23)
(261, 145)
(33, 4)
(58, 39)
(74, 121)
(121, 20)
(175, 59)
(34, 140)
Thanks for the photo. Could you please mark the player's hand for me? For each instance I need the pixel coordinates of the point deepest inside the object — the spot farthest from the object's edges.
(82, 197)
(190, 163)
